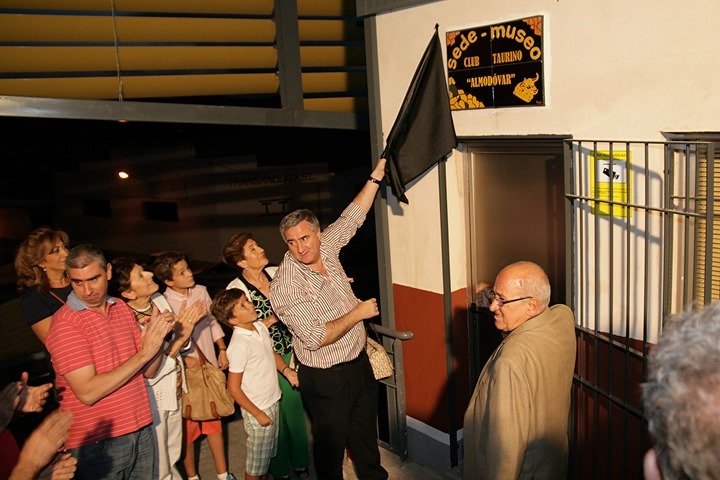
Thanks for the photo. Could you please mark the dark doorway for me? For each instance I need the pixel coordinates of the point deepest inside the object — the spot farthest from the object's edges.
(517, 208)
(517, 213)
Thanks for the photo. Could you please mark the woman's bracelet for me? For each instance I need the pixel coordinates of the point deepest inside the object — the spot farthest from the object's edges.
(282, 372)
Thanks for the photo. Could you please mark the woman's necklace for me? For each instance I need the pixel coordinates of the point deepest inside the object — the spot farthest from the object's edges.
(143, 312)
(261, 283)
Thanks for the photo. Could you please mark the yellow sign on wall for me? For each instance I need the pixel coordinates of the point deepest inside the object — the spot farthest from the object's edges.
(612, 180)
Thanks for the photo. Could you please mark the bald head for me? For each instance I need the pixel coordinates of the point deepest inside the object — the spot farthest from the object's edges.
(521, 292)
(527, 279)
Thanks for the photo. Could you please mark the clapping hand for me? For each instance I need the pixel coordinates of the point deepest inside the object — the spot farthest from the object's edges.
(32, 399)
(19, 397)
(9, 400)
(62, 467)
(42, 446)
(188, 318)
(153, 335)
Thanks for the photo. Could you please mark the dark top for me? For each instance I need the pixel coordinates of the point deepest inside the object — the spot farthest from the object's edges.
(36, 306)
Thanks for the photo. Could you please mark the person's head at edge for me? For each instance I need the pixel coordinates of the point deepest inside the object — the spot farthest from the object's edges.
(89, 274)
(521, 292)
(681, 398)
(301, 232)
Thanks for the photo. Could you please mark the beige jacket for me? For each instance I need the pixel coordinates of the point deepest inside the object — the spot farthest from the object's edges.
(516, 425)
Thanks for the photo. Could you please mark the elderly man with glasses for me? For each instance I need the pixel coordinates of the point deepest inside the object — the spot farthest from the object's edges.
(516, 425)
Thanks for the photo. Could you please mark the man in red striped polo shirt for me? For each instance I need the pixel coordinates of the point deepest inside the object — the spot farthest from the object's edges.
(100, 356)
(312, 295)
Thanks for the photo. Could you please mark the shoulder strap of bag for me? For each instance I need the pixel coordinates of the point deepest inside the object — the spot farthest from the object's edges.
(57, 296)
(375, 335)
(201, 355)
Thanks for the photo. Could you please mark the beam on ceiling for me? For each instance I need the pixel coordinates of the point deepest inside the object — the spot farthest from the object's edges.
(288, 45)
(113, 110)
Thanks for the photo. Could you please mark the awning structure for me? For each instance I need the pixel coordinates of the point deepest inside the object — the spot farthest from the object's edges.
(304, 56)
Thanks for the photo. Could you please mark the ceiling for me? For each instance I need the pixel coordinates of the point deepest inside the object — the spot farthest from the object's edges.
(265, 62)
(280, 77)
(234, 74)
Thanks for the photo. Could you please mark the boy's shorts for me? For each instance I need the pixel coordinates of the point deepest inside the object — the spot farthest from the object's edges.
(261, 441)
(192, 429)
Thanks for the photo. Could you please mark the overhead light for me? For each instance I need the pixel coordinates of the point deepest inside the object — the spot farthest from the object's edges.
(124, 175)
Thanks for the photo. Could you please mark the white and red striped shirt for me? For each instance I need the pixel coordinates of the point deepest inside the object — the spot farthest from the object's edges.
(305, 300)
(79, 337)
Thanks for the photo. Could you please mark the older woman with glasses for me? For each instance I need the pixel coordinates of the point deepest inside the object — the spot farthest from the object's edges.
(516, 423)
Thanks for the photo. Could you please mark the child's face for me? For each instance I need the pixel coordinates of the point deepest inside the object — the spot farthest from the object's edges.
(244, 312)
(182, 276)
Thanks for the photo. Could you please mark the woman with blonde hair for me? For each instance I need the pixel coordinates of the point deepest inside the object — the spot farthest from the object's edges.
(41, 279)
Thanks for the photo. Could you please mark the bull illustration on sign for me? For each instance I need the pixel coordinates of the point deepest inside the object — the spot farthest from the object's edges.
(526, 89)
(612, 174)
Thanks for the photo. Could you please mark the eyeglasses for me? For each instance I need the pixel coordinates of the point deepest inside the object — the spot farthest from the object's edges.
(500, 302)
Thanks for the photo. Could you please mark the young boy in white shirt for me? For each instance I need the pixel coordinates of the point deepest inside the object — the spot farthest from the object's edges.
(252, 367)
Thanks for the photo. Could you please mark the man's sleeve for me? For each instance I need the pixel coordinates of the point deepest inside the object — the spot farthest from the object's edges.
(68, 348)
(508, 409)
(342, 230)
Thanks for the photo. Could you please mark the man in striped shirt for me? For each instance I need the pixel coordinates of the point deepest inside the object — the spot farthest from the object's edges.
(100, 356)
(312, 295)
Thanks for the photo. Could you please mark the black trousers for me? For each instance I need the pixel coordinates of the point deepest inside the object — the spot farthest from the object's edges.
(342, 404)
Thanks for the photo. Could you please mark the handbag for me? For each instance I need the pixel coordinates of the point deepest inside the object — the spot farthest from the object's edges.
(380, 361)
(207, 397)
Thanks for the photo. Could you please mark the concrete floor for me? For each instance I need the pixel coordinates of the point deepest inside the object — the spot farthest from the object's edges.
(235, 447)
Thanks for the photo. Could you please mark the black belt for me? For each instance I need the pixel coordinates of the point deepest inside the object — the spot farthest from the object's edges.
(344, 364)
(337, 365)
